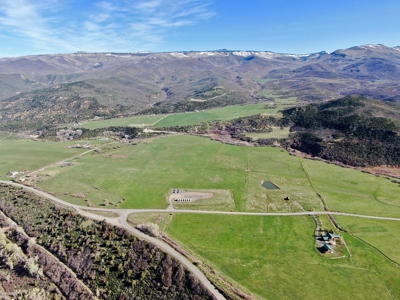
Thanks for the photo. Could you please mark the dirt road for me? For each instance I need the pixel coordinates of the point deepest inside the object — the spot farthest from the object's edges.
(121, 221)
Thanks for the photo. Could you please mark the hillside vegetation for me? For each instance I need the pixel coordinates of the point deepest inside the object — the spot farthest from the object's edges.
(53, 106)
(353, 130)
(112, 263)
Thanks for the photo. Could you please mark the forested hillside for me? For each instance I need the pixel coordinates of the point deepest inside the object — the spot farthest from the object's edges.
(353, 130)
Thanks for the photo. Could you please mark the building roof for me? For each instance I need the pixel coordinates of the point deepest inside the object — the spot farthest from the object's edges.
(334, 235)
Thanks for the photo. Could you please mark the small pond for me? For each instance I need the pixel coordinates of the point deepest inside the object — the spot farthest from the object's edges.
(269, 185)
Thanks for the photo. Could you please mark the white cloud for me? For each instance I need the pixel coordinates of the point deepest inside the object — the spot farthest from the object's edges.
(23, 19)
(148, 5)
(51, 25)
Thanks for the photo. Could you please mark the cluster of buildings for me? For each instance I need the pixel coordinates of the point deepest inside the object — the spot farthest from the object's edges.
(329, 240)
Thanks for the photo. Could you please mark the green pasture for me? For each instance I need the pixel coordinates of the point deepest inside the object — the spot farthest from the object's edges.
(136, 121)
(277, 133)
(21, 155)
(190, 118)
(382, 234)
(274, 257)
(352, 191)
(223, 113)
(145, 173)
(326, 223)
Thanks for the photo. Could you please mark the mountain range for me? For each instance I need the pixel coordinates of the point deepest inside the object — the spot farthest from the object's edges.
(85, 85)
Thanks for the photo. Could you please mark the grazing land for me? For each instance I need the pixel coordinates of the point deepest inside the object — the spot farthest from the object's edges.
(279, 97)
(224, 113)
(270, 257)
(379, 233)
(21, 155)
(136, 121)
(274, 258)
(144, 174)
(190, 118)
(349, 190)
(277, 133)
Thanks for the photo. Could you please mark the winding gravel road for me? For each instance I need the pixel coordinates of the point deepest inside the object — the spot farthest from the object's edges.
(121, 221)
(123, 214)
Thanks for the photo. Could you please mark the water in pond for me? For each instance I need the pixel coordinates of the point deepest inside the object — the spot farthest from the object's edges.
(269, 185)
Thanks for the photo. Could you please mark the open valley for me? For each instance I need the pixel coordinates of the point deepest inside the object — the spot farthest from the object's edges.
(138, 164)
(258, 254)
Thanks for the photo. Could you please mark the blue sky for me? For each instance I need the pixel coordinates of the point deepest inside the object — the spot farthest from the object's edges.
(286, 26)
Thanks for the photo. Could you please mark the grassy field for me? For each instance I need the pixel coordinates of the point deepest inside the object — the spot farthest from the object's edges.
(9, 136)
(223, 113)
(352, 191)
(277, 133)
(274, 258)
(326, 223)
(384, 235)
(20, 155)
(145, 173)
(126, 121)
